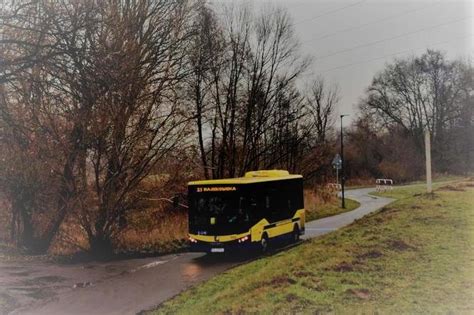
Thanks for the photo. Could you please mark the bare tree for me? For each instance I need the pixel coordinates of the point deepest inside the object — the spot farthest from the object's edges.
(28, 41)
(254, 61)
(322, 101)
(275, 65)
(105, 98)
(25, 37)
(138, 120)
(422, 92)
(205, 59)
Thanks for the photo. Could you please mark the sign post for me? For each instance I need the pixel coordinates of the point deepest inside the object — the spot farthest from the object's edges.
(337, 164)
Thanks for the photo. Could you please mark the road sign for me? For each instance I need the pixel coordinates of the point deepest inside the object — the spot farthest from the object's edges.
(337, 162)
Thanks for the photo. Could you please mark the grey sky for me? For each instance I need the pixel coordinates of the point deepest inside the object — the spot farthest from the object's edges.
(341, 35)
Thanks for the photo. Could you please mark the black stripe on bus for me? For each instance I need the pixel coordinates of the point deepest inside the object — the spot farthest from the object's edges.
(269, 226)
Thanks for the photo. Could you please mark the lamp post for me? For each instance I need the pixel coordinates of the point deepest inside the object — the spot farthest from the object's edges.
(343, 179)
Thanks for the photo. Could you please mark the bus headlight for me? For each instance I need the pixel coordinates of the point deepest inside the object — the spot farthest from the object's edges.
(243, 239)
(192, 240)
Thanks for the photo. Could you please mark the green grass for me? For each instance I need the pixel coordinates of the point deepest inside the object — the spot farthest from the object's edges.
(413, 256)
(330, 209)
(416, 188)
(439, 178)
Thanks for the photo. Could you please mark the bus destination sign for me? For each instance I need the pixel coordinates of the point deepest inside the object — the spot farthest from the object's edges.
(215, 189)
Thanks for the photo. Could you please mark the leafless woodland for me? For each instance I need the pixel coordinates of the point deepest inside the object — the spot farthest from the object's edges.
(108, 105)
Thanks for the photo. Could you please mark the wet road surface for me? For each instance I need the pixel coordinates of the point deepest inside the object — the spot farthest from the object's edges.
(368, 204)
(129, 286)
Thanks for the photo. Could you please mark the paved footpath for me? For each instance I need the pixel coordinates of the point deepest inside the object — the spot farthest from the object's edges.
(129, 286)
(368, 204)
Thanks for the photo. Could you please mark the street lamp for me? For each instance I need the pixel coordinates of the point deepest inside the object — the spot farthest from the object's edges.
(343, 179)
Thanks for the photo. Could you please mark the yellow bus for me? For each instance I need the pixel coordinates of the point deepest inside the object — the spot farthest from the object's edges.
(248, 212)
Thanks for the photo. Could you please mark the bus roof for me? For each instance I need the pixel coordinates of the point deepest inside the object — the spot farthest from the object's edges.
(249, 178)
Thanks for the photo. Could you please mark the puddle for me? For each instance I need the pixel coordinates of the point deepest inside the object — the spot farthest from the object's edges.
(34, 293)
(21, 273)
(40, 294)
(191, 271)
(111, 268)
(11, 267)
(7, 303)
(44, 280)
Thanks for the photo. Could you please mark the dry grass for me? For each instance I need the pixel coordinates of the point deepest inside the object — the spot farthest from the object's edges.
(160, 229)
(70, 240)
(153, 230)
(360, 182)
(319, 196)
(5, 218)
(167, 234)
(321, 202)
(459, 186)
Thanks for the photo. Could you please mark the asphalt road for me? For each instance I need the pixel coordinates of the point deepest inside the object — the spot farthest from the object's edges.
(129, 286)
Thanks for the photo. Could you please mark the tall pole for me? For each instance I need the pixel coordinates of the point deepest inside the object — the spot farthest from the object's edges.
(343, 179)
(429, 188)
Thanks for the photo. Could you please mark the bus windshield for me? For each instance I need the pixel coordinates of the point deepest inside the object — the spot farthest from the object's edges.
(224, 211)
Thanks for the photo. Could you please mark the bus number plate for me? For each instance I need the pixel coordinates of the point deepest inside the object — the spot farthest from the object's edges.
(217, 250)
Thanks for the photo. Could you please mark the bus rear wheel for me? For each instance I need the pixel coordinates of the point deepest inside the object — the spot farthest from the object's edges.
(296, 234)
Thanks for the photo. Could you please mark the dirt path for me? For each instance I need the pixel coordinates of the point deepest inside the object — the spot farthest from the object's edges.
(129, 286)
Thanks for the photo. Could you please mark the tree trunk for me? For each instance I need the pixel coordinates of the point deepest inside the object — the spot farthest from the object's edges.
(101, 246)
(202, 149)
(26, 238)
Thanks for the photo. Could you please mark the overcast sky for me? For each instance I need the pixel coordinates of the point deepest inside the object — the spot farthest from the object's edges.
(351, 40)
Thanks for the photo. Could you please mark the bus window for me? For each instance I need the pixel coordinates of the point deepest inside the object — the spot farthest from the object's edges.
(225, 208)
(278, 205)
(252, 209)
(295, 196)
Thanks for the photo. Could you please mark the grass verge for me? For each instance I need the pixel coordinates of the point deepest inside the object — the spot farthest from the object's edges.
(314, 212)
(321, 202)
(413, 256)
(419, 187)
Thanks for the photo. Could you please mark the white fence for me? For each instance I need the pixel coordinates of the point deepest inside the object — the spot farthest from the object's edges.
(383, 184)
